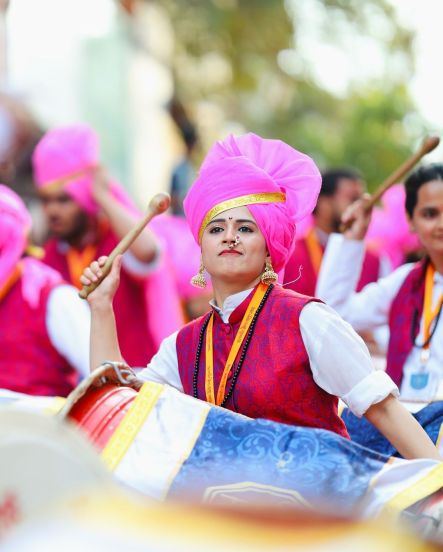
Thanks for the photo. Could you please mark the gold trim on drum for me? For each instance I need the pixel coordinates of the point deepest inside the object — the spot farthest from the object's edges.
(129, 427)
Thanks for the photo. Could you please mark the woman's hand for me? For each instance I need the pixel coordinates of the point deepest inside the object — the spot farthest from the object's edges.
(356, 219)
(104, 293)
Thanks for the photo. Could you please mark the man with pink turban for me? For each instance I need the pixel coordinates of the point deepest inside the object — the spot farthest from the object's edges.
(87, 215)
(262, 350)
(43, 325)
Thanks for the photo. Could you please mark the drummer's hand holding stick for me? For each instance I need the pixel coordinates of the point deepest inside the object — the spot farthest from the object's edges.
(100, 282)
(356, 218)
(103, 343)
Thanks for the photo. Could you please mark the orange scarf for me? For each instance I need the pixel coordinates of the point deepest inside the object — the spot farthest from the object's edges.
(315, 250)
(78, 261)
(12, 279)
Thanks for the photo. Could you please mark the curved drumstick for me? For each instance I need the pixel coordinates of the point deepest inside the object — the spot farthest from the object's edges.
(158, 205)
(428, 144)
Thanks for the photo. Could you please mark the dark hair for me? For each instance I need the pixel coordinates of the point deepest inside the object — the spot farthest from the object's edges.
(420, 176)
(330, 179)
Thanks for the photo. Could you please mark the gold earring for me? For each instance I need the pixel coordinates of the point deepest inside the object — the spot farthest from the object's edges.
(269, 276)
(199, 279)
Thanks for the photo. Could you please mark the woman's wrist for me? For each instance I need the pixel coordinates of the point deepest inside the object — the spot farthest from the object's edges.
(100, 305)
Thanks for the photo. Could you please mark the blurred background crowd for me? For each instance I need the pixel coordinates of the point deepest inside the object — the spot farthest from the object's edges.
(349, 83)
(160, 81)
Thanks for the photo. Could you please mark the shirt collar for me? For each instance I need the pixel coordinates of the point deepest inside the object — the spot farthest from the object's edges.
(230, 304)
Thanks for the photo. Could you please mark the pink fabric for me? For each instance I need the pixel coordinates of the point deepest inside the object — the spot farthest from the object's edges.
(15, 223)
(29, 362)
(250, 164)
(36, 277)
(304, 226)
(389, 230)
(183, 251)
(66, 150)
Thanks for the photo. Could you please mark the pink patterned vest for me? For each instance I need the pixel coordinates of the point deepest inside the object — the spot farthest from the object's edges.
(135, 341)
(275, 381)
(29, 363)
(405, 308)
(308, 278)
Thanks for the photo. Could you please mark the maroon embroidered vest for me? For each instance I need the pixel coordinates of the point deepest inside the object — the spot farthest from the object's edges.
(276, 380)
(131, 316)
(308, 278)
(29, 363)
(406, 308)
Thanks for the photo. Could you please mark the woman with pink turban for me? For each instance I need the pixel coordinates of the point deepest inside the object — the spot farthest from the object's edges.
(262, 350)
(43, 324)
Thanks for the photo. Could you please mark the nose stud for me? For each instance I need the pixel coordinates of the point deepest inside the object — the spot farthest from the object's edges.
(234, 243)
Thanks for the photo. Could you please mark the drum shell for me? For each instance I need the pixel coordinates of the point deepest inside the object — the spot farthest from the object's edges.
(100, 410)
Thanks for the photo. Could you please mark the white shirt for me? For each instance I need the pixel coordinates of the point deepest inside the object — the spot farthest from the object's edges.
(339, 359)
(68, 317)
(68, 323)
(370, 308)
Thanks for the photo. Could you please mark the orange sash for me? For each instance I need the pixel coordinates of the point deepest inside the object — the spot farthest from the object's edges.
(78, 261)
(429, 313)
(314, 250)
(239, 338)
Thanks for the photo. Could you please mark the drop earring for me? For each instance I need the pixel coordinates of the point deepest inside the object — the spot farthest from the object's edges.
(269, 276)
(199, 279)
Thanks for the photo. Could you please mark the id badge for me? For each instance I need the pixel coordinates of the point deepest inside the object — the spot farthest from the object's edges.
(419, 380)
(423, 385)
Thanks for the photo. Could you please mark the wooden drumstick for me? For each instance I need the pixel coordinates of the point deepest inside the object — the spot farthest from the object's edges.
(158, 205)
(428, 144)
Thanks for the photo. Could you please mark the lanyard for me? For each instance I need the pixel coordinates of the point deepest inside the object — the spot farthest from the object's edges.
(78, 261)
(429, 313)
(314, 250)
(242, 331)
(11, 280)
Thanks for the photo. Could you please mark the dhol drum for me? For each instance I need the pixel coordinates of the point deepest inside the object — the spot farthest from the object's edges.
(101, 401)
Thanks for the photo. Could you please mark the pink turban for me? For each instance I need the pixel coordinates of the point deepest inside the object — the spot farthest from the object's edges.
(277, 183)
(65, 158)
(15, 223)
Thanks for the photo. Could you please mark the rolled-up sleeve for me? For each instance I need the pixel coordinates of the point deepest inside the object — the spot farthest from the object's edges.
(340, 361)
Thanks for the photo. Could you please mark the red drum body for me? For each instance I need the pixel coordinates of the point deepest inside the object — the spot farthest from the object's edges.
(100, 410)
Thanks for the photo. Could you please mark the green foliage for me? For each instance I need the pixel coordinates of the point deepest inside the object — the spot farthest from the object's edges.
(227, 54)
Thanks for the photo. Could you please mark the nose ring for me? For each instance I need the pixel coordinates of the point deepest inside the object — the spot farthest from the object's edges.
(234, 243)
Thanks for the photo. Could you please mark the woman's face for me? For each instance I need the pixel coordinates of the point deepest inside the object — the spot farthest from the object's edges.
(245, 259)
(427, 217)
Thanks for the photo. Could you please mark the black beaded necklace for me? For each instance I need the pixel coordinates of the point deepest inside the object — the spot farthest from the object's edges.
(242, 354)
